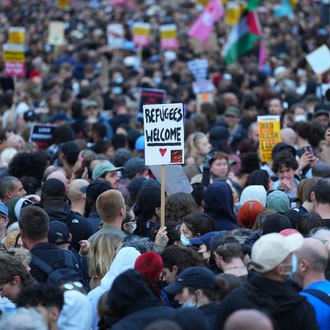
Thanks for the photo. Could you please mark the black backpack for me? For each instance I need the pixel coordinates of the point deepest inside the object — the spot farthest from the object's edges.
(62, 273)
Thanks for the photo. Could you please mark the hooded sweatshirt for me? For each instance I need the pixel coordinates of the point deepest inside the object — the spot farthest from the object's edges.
(219, 204)
(280, 301)
(134, 304)
(125, 259)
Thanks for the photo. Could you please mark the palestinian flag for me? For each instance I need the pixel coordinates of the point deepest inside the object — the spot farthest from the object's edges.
(242, 38)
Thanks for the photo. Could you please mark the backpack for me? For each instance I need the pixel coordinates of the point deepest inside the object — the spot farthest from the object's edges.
(62, 273)
(319, 294)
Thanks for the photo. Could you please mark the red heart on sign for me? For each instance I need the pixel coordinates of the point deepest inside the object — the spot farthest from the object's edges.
(162, 151)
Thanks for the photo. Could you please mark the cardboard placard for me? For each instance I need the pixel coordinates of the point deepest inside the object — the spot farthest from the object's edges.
(115, 35)
(163, 134)
(319, 59)
(16, 35)
(56, 33)
(14, 58)
(141, 34)
(168, 36)
(269, 128)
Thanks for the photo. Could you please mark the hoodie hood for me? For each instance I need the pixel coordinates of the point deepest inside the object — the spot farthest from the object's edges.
(129, 294)
(255, 193)
(124, 260)
(219, 204)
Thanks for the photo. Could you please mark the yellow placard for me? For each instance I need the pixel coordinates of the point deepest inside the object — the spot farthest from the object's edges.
(233, 13)
(13, 53)
(62, 4)
(16, 35)
(269, 129)
(168, 34)
(141, 31)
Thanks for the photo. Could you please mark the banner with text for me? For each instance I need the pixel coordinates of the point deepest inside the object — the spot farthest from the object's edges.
(16, 35)
(163, 134)
(141, 34)
(42, 135)
(269, 128)
(168, 36)
(14, 58)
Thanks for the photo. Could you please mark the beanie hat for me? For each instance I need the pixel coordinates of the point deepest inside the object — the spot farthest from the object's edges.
(248, 212)
(14, 207)
(278, 201)
(150, 264)
(274, 223)
(53, 188)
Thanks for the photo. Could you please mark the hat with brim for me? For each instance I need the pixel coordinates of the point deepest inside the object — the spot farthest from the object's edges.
(196, 277)
(102, 168)
(270, 250)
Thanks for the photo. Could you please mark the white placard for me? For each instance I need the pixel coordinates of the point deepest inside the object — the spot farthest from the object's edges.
(319, 59)
(115, 35)
(163, 134)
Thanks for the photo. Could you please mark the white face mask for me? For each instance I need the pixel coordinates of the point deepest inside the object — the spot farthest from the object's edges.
(130, 227)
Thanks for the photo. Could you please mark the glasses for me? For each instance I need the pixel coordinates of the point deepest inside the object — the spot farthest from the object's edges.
(4, 289)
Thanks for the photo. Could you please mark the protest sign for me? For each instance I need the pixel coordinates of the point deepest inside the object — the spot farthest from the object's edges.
(115, 35)
(163, 134)
(141, 34)
(149, 96)
(269, 135)
(16, 35)
(56, 33)
(168, 36)
(14, 58)
(42, 135)
(319, 59)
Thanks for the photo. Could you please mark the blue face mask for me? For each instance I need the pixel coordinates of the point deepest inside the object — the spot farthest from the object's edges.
(184, 240)
(119, 80)
(117, 90)
(294, 265)
(189, 304)
(157, 80)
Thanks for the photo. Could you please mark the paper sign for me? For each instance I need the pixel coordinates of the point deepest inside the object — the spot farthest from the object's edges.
(115, 35)
(269, 129)
(204, 86)
(168, 36)
(141, 34)
(16, 35)
(175, 178)
(14, 58)
(198, 69)
(319, 59)
(42, 135)
(149, 96)
(56, 33)
(62, 4)
(163, 134)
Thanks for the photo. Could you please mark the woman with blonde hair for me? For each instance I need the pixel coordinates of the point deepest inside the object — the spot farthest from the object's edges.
(198, 146)
(102, 251)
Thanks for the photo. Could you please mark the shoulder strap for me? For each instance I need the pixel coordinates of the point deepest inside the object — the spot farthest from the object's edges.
(36, 261)
(68, 259)
(319, 294)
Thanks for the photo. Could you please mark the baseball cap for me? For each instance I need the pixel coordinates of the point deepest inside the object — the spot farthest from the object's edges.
(271, 249)
(204, 239)
(30, 115)
(89, 104)
(58, 233)
(103, 168)
(134, 165)
(233, 111)
(196, 277)
(62, 116)
(320, 112)
(95, 188)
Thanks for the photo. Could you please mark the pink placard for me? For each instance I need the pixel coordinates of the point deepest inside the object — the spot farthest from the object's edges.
(16, 69)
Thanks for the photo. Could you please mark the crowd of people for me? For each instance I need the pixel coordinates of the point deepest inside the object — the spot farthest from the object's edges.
(82, 242)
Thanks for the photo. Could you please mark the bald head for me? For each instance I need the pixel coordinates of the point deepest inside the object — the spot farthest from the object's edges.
(59, 175)
(248, 319)
(288, 136)
(74, 192)
(314, 251)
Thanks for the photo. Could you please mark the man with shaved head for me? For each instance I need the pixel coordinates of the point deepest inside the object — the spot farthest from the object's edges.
(248, 319)
(310, 275)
